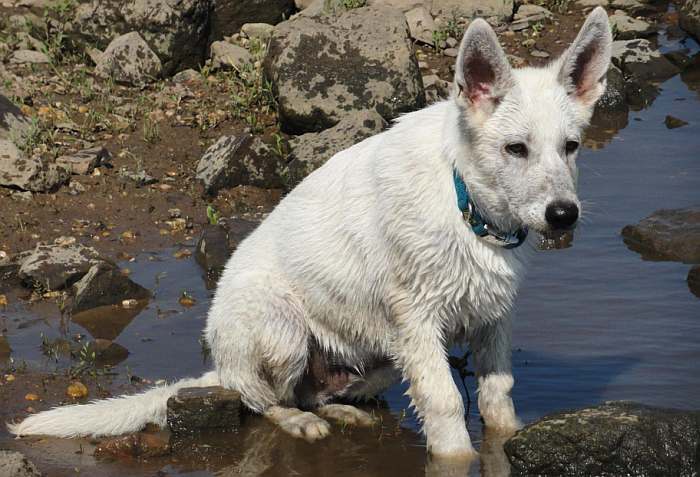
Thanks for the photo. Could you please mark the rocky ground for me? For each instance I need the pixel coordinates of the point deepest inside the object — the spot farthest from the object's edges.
(135, 126)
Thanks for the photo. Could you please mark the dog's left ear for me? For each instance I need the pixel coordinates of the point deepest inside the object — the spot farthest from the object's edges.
(585, 64)
(482, 72)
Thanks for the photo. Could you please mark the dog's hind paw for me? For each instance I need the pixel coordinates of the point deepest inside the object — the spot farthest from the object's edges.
(347, 415)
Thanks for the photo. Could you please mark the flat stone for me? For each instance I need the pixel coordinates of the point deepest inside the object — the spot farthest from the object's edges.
(634, 7)
(204, 409)
(592, 3)
(627, 28)
(689, 17)
(451, 52)
(310, 151)
(225, 55)
(539, 53)
(421, 25)
(140, 178)
(129, 60)
(328, 66)
(638, 58)
(501, 9)
(85, 161)
(612, 439)
(28, 173)
(53, 267)
(103, 285)
(259, 31)
(667, 234)
(15, 464)
(29, 57)
(14, 125)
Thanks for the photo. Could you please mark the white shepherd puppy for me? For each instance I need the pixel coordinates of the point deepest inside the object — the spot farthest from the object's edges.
(393, 250)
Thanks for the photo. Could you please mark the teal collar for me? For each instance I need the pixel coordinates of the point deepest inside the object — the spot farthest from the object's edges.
(477, 223)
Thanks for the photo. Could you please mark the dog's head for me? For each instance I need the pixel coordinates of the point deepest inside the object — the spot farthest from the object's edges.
(524, 126)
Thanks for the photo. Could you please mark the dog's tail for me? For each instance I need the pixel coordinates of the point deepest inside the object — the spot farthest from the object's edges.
(108, 417)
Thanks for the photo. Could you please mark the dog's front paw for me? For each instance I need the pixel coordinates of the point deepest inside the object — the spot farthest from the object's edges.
(453, 453)
(499, 416)
(347, 415)
(305, 425)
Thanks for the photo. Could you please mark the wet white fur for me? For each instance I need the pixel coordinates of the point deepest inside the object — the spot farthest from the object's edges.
(370, 256)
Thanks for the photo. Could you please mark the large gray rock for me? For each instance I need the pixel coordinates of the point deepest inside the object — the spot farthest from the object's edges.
(667, 234)
(613, 439)
(85, 161)
(128, 59)
(176, 30)
(32, 174)
(689, 18)
(310, 151)
(503, 9)
(29, 57)
(14, 125)
(421, 25)
(239, 160)
(103, 285)
(627, 28)
(324, 67)
(53, 267)
(15, 464)
(228, 16)
(200, 409)
(637, 58)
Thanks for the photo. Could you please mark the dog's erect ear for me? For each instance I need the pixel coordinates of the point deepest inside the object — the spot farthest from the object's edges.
(585, 64)
(482, 73)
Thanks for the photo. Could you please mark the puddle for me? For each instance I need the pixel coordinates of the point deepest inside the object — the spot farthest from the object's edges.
(593, 322)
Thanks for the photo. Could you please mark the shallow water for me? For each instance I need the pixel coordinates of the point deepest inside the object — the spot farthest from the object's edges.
(593, 322)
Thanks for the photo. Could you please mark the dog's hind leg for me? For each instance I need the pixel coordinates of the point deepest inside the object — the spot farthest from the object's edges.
(490, 344)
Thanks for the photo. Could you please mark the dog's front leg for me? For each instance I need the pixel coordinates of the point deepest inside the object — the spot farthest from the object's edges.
(420, 351)
(490, 344)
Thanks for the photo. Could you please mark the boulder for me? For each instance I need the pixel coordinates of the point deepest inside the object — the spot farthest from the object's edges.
(85, 161)
(242, 160)
(322, 68)
(30, 174)
(613, 99)
(14, 125)
(15, 464)
(204, 409)
(612, 439)
(628, 28)
(53, 267)
(129, 60)
(259, 31)
(637, 58)
(29, 57)
(225, 55)
(689, 17)
(176, 30)
(667, 234)
(103, 285)
(310, 151)
(421, 25)
(502, 9)
(228, 16)
(694, 280)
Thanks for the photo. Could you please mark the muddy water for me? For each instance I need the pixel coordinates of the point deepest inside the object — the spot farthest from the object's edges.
(593, 322)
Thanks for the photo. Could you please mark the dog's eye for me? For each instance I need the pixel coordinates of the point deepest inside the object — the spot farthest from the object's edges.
(517, 149)
(571, 147)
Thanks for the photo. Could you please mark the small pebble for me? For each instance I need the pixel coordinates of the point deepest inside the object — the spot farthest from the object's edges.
(31, 397)
(77, 390)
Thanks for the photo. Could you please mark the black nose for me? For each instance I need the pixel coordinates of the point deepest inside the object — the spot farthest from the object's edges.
(561, 214)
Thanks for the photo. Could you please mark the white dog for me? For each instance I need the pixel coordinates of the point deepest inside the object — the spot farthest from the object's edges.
(396, 248)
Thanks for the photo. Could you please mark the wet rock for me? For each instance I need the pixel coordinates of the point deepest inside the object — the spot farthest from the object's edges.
(213, 250)
(689, 17)
(694, 280)
(225, 55)
(637, 58)
(667, 234)
(233, 161)
(53, 267)
(421, 25)
(501, 9)
(174, 30)
(29, 57)
(207, 408)
(260, 31)
(28, 173)
(310, 151)
(613, 99)
(6, 351)
(128, 59)
(228, 16)
(627, 28)
(14, 125)
(139, 445)
(105, 284)
(85, 161)
(673, 122)
(615, 438)
(15, 464)
(322, 68)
